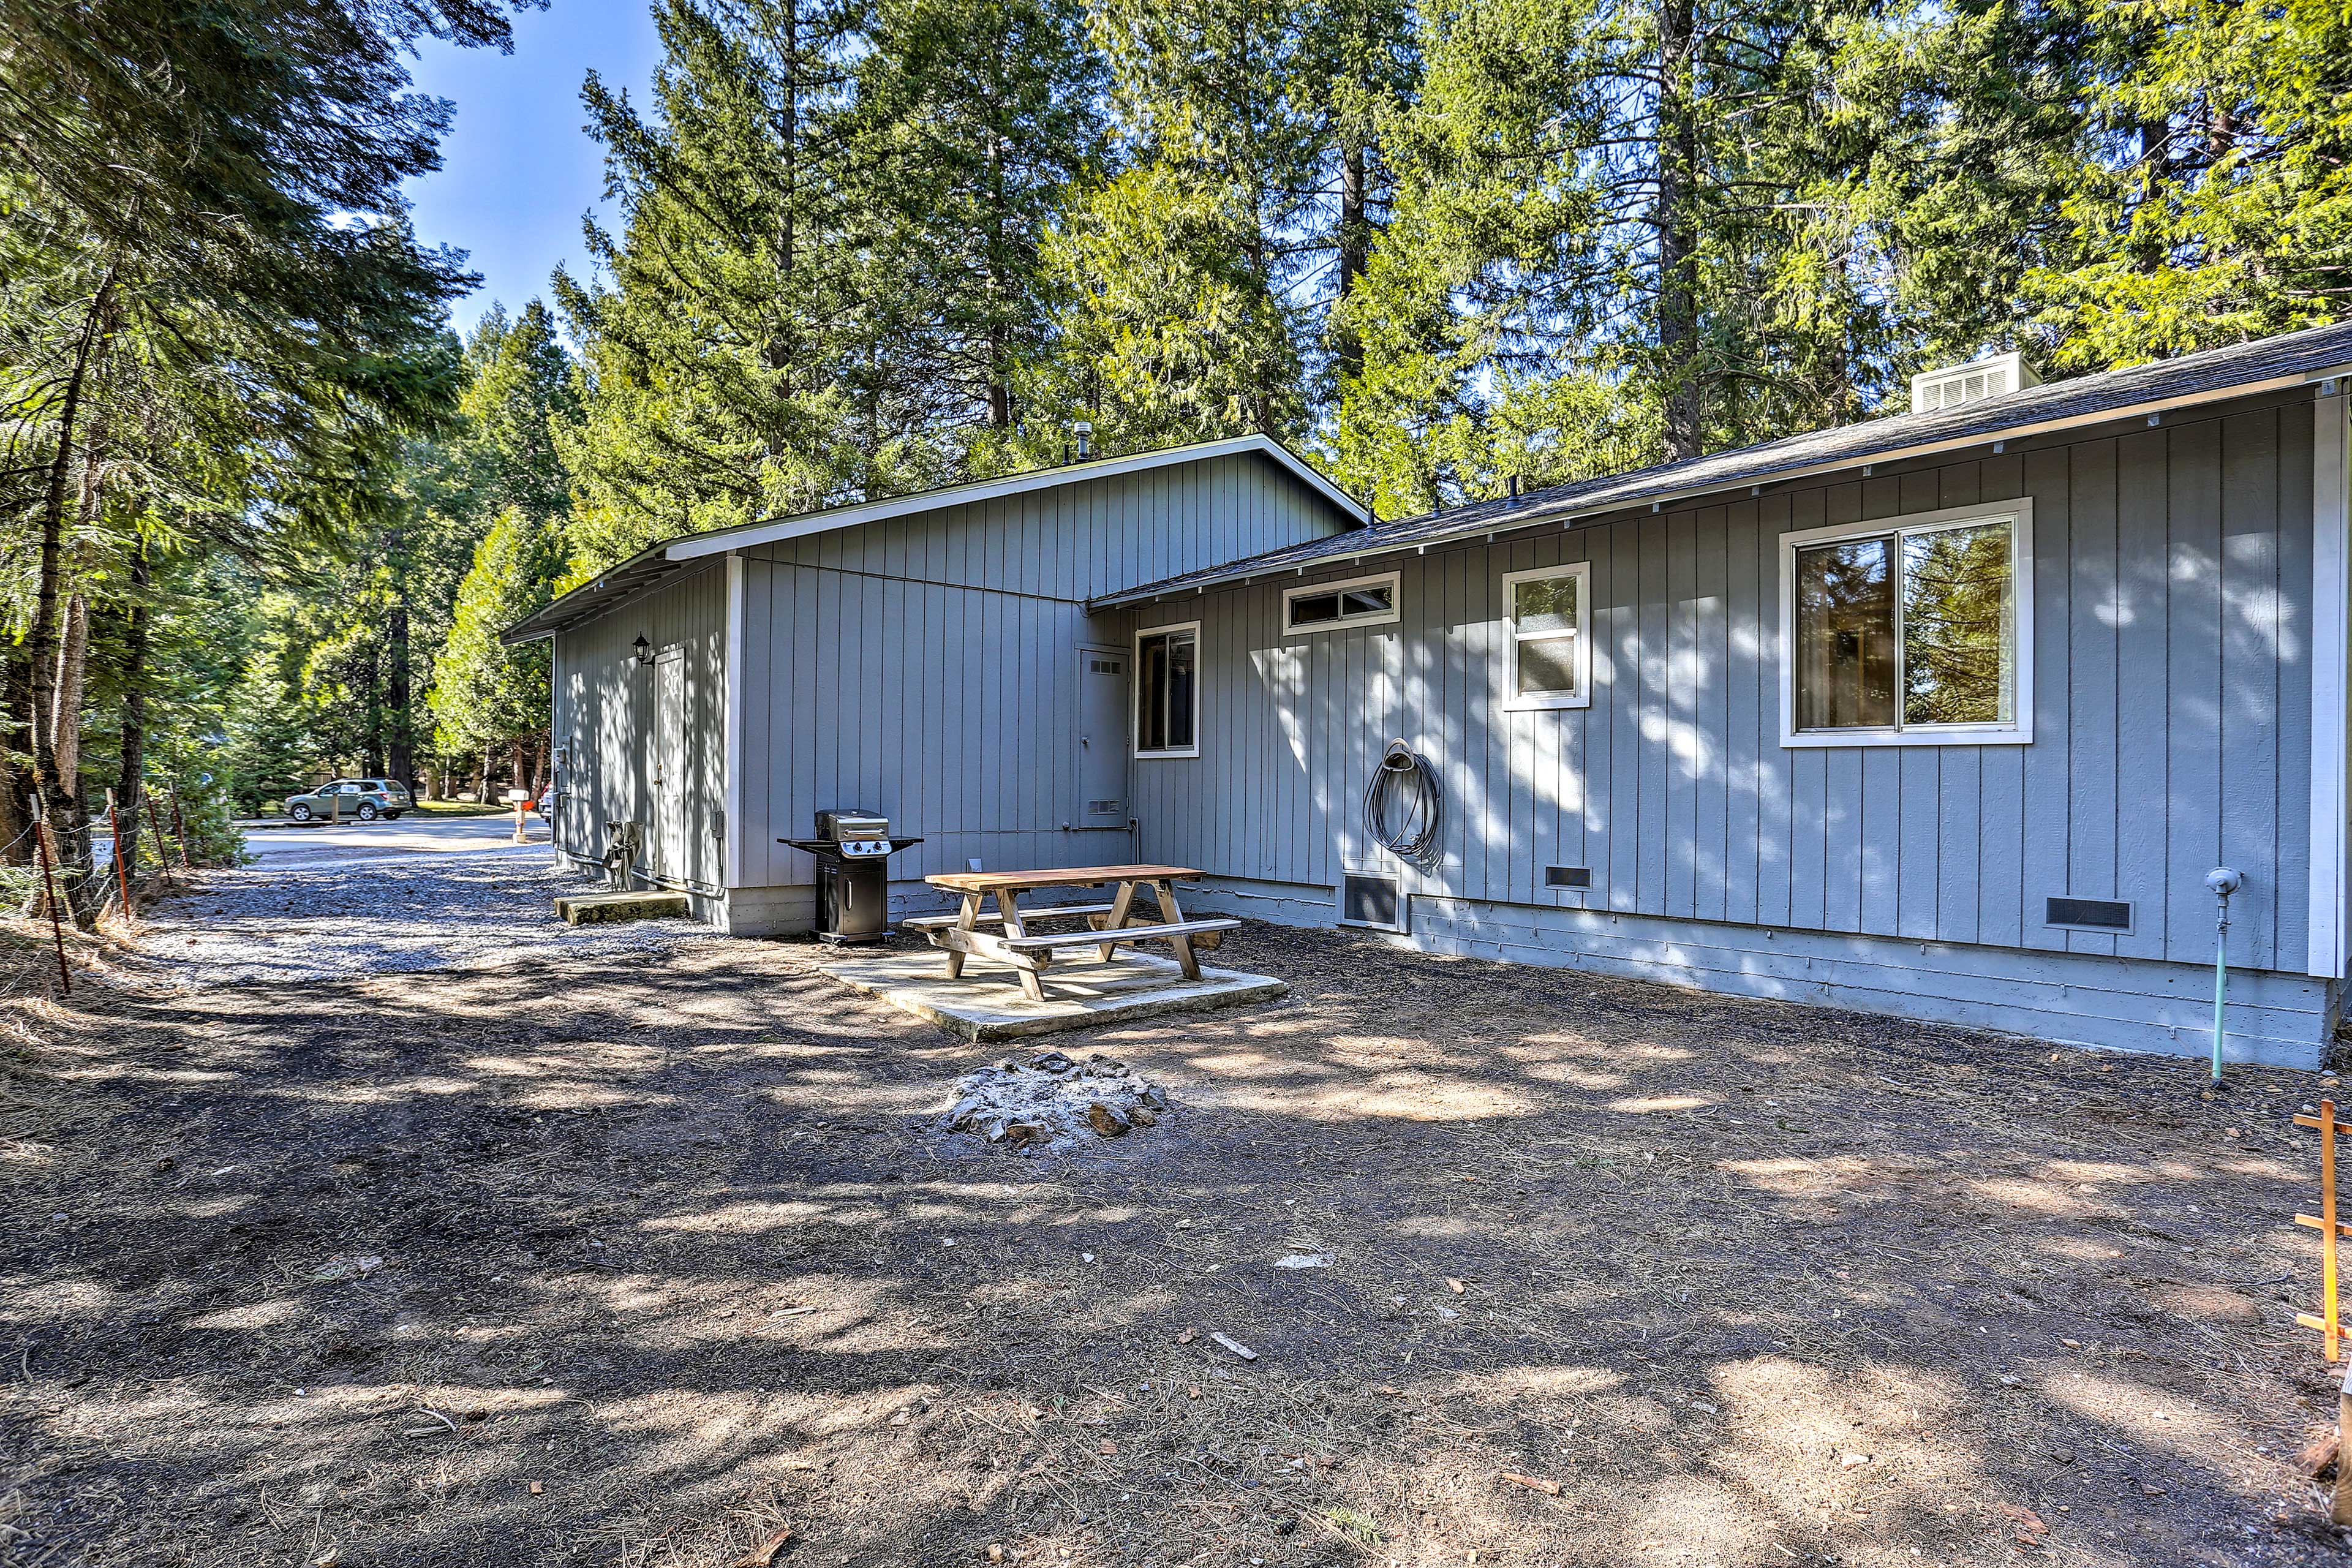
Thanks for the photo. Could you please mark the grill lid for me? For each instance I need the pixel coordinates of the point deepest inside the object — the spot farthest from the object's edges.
(838, 825)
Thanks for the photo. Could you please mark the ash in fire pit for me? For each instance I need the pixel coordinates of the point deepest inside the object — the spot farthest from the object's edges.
(1053, 1101)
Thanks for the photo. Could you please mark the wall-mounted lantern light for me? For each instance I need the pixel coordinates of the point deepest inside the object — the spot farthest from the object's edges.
(642, 649)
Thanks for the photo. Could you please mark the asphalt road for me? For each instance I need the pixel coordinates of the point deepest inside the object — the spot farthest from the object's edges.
(285, 844)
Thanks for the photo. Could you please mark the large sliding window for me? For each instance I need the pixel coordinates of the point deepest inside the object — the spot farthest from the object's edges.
(1167, 691)
(1909, 631)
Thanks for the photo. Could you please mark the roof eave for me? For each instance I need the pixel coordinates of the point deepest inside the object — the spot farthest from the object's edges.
(800, 526)
(1567, 514)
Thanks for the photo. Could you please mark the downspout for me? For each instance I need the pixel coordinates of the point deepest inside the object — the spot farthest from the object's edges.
(2223, 882)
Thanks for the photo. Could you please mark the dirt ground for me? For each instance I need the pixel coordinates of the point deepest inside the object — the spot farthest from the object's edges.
(642, 1258)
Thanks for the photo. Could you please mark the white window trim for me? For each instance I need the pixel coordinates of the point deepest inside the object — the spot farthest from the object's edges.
(1135, 694)
(2018, 514)
(1393, 581)
(1517, 701)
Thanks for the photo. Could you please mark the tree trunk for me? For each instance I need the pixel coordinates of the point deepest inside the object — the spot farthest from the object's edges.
(33, 707)
(401, 764)
(1000, 380)
(1355, 239)
(482, 795)
(1677, 240)
(130, 784)
(67, 683)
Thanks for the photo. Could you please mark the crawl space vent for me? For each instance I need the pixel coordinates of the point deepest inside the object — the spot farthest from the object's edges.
(1371, 901)
(1568, 876)
(2104, 914)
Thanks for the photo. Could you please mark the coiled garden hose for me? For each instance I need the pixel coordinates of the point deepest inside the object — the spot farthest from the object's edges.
(1403, 806)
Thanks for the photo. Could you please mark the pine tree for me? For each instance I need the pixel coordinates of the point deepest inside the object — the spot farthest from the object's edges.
(2208, 197)
(1624, 232)
(488, 697)
(716, 377)
(1204, 276)
(188, 174)
(974, 119)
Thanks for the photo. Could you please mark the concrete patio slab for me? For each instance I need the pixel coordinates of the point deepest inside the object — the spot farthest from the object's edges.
(986, 1004)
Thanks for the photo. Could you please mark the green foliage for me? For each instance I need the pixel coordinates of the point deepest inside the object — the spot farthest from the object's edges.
(2208, 198)
(486, 695)
(215, 334)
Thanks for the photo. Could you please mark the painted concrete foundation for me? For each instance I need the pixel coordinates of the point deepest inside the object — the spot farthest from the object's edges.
(2077, 999)
(2114, 1003)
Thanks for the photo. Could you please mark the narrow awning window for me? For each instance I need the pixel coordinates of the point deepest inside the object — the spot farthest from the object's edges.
(1327, 606)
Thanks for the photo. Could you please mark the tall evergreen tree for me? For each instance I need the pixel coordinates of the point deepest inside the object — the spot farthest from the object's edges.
(1203, 276)
(487, 697)
(974, 119)
(717, 385)
(2208, 197)
(192, 172)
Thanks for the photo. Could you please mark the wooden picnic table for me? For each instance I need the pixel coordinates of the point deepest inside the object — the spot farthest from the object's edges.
(1031, 953)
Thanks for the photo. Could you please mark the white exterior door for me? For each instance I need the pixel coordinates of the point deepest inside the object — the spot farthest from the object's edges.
(665, 834)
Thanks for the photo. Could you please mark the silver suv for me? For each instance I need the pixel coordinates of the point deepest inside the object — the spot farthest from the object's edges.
(366, 799)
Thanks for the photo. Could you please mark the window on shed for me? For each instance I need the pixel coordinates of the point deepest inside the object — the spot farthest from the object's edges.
(1550, 653)
(1167, 691)
(1325, 606)
(1911, 630)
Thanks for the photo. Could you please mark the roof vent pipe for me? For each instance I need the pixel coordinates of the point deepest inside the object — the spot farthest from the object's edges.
(1514, 487)
(1082, 440)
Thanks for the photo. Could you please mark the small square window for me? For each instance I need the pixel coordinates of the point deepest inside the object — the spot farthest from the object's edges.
(1550, 652)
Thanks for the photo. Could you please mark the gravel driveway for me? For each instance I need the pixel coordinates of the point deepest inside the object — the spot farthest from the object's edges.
(264, 924)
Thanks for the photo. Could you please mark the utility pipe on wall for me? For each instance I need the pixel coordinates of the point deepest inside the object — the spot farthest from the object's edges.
(2223, 882)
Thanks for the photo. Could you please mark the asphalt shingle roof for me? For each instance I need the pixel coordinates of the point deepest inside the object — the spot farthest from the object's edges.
(2197, 377)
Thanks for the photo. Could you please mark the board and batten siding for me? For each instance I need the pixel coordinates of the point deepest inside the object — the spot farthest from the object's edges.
(603, 717)
(927, 666)
(2171, 627)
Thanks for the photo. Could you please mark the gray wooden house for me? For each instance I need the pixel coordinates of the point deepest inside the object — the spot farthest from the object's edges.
(1946, 715)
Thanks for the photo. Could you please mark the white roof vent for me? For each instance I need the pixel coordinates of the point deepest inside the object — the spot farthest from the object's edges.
(1992, 376)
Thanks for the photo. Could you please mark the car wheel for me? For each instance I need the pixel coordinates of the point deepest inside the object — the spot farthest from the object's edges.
(367, 811)
(302, 812)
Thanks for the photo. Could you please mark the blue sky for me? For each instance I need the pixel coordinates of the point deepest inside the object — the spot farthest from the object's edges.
(517, 172)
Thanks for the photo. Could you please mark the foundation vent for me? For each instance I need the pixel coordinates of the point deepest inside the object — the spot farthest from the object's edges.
(1568, 876)
(2099, 914)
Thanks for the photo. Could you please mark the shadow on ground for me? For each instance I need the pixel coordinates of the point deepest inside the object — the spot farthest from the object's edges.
(641, 1260)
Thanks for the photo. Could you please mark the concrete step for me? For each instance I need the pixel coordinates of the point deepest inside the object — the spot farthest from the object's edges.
(652, 904)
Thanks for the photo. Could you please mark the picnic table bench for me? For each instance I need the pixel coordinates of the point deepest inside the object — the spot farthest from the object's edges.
(1031, 953)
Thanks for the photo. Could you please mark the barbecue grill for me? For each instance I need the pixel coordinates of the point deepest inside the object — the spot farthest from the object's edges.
(853, 850)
